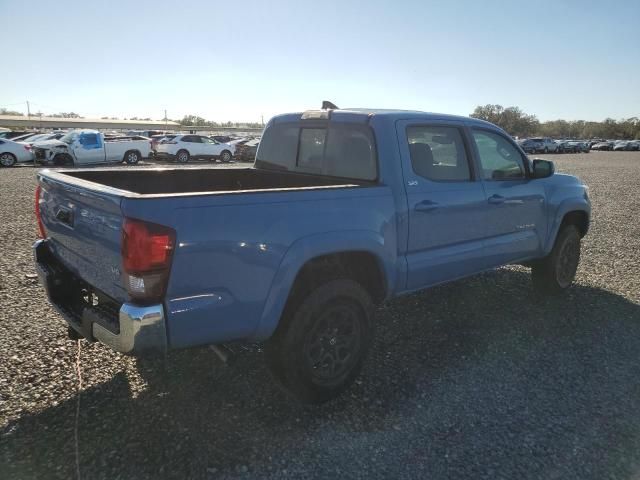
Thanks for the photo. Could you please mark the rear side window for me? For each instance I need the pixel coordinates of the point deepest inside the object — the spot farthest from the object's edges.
(438, 153)
(342, 150)
(191, 139)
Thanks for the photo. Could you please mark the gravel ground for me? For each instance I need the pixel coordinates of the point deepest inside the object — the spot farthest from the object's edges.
(476, 379)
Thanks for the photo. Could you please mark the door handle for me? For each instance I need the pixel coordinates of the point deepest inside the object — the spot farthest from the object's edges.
(496, 199)
(426, 206)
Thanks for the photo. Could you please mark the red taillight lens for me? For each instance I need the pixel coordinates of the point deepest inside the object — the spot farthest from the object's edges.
(27, 148)
(41, 231)
(147, 249)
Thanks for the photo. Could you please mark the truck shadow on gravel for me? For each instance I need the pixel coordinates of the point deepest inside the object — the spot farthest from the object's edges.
(476, 379)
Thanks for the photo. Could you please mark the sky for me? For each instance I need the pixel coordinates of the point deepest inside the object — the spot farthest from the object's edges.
(241, 61)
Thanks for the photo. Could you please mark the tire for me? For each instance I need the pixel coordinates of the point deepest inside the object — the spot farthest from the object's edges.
(7, 159)
(63, 159)
(226, 156)
(132, 157)
(556, 272)
(322, 340)
(183, 156)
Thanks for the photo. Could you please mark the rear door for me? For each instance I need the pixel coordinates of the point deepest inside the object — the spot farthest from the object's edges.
(446, 203)
(516, 220)
(89, 148)
(193, 144)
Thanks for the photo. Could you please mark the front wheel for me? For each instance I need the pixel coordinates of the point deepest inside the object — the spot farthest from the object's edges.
(225, 156)
(62, 160)
(322, 341)
(557, 271)
(7, 159)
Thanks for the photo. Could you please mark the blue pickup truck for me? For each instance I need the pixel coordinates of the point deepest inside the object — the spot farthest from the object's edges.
(342, 210)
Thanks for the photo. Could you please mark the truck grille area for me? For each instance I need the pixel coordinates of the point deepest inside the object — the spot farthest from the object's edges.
(40, 154)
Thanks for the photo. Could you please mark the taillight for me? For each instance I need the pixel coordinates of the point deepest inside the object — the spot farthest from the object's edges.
(41, 232)
(147, 249)
(27, 148)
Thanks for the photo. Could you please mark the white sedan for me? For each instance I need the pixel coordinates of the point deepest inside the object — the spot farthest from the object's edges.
(14, 152)
(185, 147)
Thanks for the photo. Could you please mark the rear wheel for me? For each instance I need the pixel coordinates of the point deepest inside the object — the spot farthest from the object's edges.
(182, 156)
(132, 157)
(322, 340)
(7, 159)
(225, 156)
(556, 272)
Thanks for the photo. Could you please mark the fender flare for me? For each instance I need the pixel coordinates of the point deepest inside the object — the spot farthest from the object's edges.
(569, 205)
(307, 248)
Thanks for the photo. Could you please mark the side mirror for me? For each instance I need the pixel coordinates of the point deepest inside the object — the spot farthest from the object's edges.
(542, 168)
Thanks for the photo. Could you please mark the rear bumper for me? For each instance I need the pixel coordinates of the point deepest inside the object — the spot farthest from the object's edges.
(126, 328)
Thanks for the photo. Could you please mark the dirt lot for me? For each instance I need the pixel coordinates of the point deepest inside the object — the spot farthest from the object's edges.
(476, 379)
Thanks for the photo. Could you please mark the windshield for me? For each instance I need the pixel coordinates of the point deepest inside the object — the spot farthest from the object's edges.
(69, 138)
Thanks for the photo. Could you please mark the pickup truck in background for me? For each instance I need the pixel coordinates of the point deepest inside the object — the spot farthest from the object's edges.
(342, 210)
(90, 147)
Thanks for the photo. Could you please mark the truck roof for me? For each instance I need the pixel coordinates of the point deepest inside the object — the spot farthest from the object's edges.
(363, 114)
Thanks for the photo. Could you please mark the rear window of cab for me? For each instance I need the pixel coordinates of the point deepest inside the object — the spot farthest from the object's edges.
(337, 150)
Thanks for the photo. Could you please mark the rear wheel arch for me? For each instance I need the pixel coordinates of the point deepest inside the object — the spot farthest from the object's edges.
(362, 266)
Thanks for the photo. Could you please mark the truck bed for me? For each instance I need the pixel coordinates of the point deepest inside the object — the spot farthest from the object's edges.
(146, 181)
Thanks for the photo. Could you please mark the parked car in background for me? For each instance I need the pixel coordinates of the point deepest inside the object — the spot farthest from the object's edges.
(545, 145)
(145, 133)
(222, 138)
(43, 137)
(87, 147)
(185, 147)
(14, 152)
(26, 137)
(578, 146)
(622, 145)
(246, 150)
(634, 145)
(12, 134)
(602, 146)
(530, 145)
(156, 139)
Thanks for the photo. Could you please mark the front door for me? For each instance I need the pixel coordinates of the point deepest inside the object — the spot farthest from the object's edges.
(446, 203)
(209, 147)
(516, 220)
(88, 148)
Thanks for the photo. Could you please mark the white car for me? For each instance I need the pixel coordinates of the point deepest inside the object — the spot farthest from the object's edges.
(185, 147)
(14, 152)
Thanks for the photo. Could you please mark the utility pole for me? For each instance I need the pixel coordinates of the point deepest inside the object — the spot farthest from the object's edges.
(28, 111)
(262, 119)
(165, 119)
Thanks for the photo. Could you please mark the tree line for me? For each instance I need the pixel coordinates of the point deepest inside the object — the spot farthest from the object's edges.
(520, 124)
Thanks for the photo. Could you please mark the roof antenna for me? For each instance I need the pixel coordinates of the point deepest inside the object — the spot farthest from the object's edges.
(327, 105)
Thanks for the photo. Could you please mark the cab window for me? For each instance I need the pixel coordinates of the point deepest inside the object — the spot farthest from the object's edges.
(499, 158)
